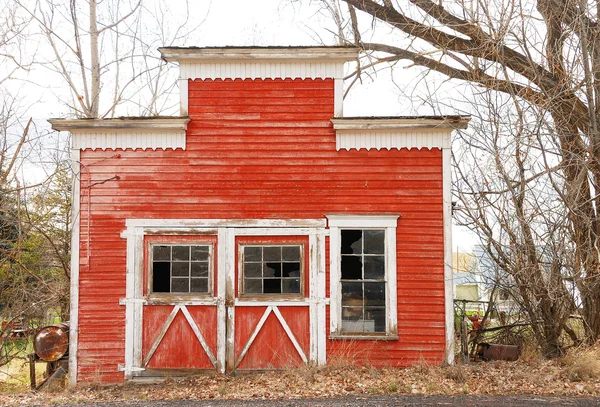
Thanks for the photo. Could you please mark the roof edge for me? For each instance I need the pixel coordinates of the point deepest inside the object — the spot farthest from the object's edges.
(401, 122)
(121, 123)
(194, 54)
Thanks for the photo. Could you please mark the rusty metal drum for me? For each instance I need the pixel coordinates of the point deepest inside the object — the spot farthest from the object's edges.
(52, 342)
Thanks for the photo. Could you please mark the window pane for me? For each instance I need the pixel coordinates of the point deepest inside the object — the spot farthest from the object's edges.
(290, 286)
(374, 241)
(352, 313)
(180, 269)
(252, 286)
(351, 267)
(161, 253)
(253, 269)
(375, 294)
(161, 277)
(272, 253)
(199, 285)
(351, 241)
(291, 270)
(374, 267)
(352, 294)
(291, 253)
(181, 252)
(252, 253)
(180, 285)
(376, 317)
(272, 270)
(272, 286)
(199, 253)
(200, 269)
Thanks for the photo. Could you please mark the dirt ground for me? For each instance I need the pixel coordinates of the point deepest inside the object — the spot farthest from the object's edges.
(573, 380)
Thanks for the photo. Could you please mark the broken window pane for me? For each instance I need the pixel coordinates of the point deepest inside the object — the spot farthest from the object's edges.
(272, 286)
(351, 267)
(351, 241)
(161, 279)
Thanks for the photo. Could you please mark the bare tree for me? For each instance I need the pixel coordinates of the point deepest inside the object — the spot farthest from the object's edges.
(105, 53)
(541, 58)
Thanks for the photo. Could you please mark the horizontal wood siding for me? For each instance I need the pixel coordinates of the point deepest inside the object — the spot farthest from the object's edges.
(261, 149)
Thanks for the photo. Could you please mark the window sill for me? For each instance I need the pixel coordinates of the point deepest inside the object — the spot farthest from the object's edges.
(359, 337)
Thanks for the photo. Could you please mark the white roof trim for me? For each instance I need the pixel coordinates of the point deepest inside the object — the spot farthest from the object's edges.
(133, 133)
(396, 133)
(260, 63)
(197, 55)
(351, 220)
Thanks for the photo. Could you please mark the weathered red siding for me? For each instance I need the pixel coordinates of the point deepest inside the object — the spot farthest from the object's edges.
(261, 149)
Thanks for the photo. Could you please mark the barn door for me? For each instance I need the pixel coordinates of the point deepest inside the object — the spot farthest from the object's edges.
(269, 324)
(225, 298)
(180, 315)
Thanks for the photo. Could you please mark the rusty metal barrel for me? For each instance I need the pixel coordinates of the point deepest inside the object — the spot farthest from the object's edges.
(52, 342)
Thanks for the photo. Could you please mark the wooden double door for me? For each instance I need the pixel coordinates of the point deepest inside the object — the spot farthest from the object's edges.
(256, 314)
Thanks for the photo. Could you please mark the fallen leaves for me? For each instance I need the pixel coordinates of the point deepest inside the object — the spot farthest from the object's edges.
(540, 377)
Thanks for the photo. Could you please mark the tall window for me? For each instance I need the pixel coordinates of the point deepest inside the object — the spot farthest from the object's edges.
(363, 275)
(363, 280)
(181, 268)
(271, 269)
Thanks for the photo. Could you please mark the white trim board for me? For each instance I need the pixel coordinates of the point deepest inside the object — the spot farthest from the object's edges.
(448, 286)
(75, 236)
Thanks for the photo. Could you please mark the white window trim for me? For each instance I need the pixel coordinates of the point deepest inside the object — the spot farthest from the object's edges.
(389, 224)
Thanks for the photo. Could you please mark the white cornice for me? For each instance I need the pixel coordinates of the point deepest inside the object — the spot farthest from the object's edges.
(119, 124)
(279, 54)
(401, 123)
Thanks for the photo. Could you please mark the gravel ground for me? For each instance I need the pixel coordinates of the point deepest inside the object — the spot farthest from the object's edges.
(367, 401)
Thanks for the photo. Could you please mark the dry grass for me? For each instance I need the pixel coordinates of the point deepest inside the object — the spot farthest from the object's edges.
(582, 364)
(577, 374)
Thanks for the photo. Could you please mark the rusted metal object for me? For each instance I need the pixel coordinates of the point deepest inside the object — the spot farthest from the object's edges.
(492, 351)
(52, 342)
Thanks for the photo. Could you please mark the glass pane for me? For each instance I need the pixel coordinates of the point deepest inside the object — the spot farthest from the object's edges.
(375, 294)
(290, 286)
(199, 253)
(352, 313)
(351, 268)
(374, 319)
(351, 241)
(180, 268)
(291, 253)
(253, 269)
(161, 252)
(200, 269)
(272, 270)
(291, 270)
(374, 242)
(352, 325)
(252, 286)
(252, 253)
(352, 294)
(161, 277)
(180, 285)
(199, 285)
(272, 253)
(181, 252)
(272, 286)
(374, 267)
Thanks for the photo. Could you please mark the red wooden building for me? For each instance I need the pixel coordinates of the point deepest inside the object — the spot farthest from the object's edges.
(260, 229)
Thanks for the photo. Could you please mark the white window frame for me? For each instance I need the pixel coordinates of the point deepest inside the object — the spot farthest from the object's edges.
(340, 222)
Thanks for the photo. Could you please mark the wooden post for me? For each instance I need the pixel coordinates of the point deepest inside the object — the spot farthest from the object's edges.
(32, 371)
(464, 340)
